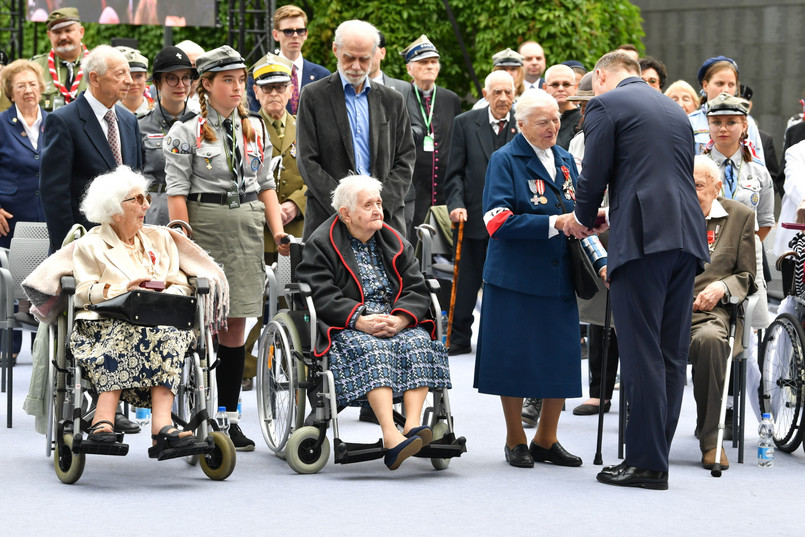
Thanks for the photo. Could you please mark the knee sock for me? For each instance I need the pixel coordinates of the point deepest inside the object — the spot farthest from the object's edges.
(229, 375)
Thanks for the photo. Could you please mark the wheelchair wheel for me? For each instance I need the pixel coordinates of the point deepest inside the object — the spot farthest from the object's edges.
(69, 466)
(219, 464)
(280, 400)
(439, 430)
(300, 452)
(781, 386)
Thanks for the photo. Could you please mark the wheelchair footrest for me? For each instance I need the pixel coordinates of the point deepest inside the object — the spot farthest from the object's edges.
(163, 453)
(444, 448)
(346, 452)
(81, 445)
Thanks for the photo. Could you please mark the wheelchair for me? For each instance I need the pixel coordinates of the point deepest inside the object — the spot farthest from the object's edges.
(782, 357)
(68, 400)
(288, 374)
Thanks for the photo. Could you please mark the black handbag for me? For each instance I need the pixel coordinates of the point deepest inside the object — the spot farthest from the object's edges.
(149, 308)
(582, 272)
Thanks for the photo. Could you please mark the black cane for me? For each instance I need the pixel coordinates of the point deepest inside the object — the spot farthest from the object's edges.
(603, 382)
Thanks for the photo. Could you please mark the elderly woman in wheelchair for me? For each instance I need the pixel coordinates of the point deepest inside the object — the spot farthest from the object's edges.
(372, 304)
(141, 364)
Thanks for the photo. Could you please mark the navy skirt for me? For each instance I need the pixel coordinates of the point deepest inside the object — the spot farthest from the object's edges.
(528, 346)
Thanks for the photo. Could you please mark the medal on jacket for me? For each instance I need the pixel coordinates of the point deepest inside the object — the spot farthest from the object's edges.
(537, 187)
(567, 186)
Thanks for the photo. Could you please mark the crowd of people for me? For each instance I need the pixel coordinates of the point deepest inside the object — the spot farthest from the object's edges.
(353, 161)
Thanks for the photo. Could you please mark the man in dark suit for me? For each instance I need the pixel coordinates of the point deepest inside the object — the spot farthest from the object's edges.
(731, 273)
(534, 64)
(85, 139)
(377, 75)
(348, 125)
(639, 146)
(476, 135)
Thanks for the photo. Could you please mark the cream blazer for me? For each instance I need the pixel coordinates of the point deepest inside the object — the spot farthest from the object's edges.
(101, 258)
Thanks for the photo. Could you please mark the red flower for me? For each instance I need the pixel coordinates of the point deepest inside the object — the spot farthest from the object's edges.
(153, 257)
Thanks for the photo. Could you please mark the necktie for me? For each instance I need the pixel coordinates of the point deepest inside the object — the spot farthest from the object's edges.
(295, 94)
(501, 125)
(111, 136)
(70, 75)
(729, 175)
(233, 150)
(278, 127)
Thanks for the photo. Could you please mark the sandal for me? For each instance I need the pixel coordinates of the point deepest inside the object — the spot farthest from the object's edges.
(96, 434)
(169, 445)
(170, 436)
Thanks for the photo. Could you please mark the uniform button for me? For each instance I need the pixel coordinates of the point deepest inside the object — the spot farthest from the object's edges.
(37, 157)
(36, 175)
(555, 262)
(285, 182)
(558, 205)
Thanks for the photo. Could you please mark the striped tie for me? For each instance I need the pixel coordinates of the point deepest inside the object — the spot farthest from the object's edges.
(729, 175)
(295, 94)
(237, 162)
(111, 136)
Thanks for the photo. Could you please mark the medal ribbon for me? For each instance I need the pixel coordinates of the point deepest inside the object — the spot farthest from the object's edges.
(568, 185)
(70, 95)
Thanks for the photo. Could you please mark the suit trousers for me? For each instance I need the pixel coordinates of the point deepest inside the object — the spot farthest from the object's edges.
(470, 278)
(652, 299)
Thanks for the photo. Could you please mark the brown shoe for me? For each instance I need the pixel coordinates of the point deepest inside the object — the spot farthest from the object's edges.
(709, 459)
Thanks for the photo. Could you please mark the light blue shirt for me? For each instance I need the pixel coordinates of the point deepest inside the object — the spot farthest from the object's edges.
(358, 112)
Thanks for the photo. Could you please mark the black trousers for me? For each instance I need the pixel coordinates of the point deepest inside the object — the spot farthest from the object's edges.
(470, 278)
(596, 342)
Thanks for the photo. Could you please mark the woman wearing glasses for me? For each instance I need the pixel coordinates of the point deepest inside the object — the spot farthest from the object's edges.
(173, 75)
(219, 180)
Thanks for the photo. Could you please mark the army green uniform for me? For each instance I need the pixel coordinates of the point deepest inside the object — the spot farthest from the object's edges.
(51, 97)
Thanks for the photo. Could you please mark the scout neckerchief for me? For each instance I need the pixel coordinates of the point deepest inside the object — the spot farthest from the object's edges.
(427, 143)
(70, 95)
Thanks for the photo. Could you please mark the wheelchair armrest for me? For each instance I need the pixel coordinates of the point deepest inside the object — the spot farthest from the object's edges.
(298, 287)
(201, 285)
(749, 307)
(433, 285)
(68, 285)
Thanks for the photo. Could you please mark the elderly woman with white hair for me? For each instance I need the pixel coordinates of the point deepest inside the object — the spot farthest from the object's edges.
(139, 364)
(372, 304)
(528, 343)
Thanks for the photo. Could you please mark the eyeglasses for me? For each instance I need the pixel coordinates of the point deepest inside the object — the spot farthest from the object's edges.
(301, 32)
(29, 86)
(565, 85)
(140, 199)
(173, 80)
(275, 88)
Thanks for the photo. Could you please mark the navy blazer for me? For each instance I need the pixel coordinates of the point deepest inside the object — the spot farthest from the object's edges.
(19, 180)
(520, 256)
(311, 72)
(639, 144)
(74, 152)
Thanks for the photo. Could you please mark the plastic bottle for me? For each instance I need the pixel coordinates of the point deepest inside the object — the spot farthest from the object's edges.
(142, 416)
(765, 445)
(240, 408)
(222, 418)
(444, 326)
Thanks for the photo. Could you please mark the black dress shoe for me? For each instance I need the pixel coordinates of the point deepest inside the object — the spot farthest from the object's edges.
(125, 425)
(532, 408)
(590, 410)
(367, 415)
(624, 475)
(519, 456)
(455, 350)
(556, 455)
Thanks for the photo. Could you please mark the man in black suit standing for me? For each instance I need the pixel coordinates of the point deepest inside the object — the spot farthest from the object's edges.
(377, 75)
(87, 138)
(639, 145)
(348, 125)
(476, 135)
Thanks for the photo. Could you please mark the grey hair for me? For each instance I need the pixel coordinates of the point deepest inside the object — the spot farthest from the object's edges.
(497, 76)
(358, 27)
(531, 100)
(706, 164)
(346, 193)
(96, 61)
(618, 61)
(106, 193)
(555, 69)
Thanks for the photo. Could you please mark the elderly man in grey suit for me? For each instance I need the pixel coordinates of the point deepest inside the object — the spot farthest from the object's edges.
(730, 273)
(348, 125)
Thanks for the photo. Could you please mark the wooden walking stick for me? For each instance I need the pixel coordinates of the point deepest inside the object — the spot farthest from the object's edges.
(456, 261)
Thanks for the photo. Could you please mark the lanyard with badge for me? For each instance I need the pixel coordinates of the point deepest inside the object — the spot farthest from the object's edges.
(427, 143)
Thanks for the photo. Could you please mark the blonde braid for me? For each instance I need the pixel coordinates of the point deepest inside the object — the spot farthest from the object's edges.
(248, 129)
(207, 130)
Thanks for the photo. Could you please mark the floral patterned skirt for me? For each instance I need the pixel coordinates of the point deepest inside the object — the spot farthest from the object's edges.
(361, 362)
(122, 356)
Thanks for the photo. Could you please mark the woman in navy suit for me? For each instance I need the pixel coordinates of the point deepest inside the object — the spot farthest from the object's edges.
(528, 344)
(20, 128)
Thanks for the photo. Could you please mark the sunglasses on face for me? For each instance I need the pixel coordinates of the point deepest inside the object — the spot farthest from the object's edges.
(301, 32)
(557, 85)
(140, 199)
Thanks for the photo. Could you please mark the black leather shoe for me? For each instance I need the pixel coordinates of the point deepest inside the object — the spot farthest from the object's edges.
(367, 415)
(125, 425)
(624, 475)
(455, 350)
(532, 408)
(590, 410)
(556, 455)
(519, 456)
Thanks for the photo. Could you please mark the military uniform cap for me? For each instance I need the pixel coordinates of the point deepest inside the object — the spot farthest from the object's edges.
(585, 91)
(63, 17)
(507, 58)
(172, 59)
(710, 61)
(271, 69)
(223, 58)
(420, 49)
(727, 105)
(137, 62)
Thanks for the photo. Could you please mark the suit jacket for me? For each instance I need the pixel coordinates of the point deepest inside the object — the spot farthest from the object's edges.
(770, 156)
(471, 146)
(639, 144)
(74, 152)
(325, 146)
(311, 72)
(793, 135)
(19, 181)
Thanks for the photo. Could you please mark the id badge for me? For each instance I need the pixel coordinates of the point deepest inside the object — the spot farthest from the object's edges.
(427, 144)
(233, 196)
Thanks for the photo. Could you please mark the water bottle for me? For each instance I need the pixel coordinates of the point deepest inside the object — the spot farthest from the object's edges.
(142, 416)
(222, 419)
(765, 445)
(240, 408)
(444, 326)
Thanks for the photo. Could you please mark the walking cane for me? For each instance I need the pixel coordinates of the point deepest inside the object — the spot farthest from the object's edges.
(716, 470)
(602, 384)
(456, 261)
